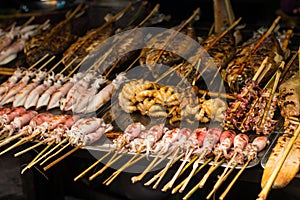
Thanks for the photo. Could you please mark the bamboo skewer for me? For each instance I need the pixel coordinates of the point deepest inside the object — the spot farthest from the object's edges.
(68, 65)
(41, 153)
(220, 181)
(196, 187)
(189, 153)
(148, 168)
(179, 186)
(154, 10)
(266, 189)
(29, 148)
(194, 169)
(163, 171)
(111, 161)
(46, 154)
(168, 185)
(235, 178)
(11, 138)
(62, 157)
(77, 66)
(210, 170)
(266, 110)
(167, 167)
(56, 153)
(92, 166)
(109, 180)
(46, 63)
(38, 62)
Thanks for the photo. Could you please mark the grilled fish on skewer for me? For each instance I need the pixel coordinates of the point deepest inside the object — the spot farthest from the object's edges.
(55, 41)
(289, 97)
(243, 67)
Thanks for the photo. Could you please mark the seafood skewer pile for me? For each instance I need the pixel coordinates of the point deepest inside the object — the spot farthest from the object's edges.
(168, 101)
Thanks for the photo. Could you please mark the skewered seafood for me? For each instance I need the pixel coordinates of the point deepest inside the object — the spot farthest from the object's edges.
(245, 113)
(105, 94)
(168, 101)
(62, 91)
(10, 115)
(247, 61)
(20, 97)
(4, 87)
(46, 95)
(19, 122)
(289, 97)
(34, 95)
(290, 166)
(55, 41)
(9, 94)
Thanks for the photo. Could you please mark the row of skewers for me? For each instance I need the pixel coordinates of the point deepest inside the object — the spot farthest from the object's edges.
(240, 67)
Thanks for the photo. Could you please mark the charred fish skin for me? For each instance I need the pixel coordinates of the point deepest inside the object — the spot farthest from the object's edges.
(244, 65)
(86, 44)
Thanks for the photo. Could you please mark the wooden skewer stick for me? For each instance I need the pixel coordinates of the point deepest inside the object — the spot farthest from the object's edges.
(46, 154)
(77, 66)
(116, 173)
(68, 65)
(196, 12)
(62, 157)
(163, 171)
(111, 161)
(38, 62)
(11, 138)
(148, 168)
(195, 166)
(287, 39)
(189, 153)
(167, 167)
(266, 35)
(260, 69)
(37, 156)
(168, 185)
(6, 73)
(46, 63)
(267, 108)
(210, 170)
(220, 181)
(7, 69)
(56, 153)
(235, 178)
(29, 148)
(266, 189)
(92, 166)
(175, 189)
